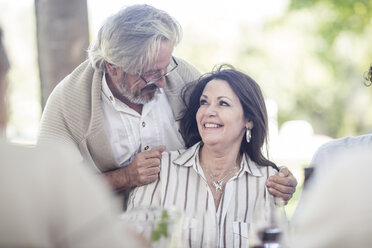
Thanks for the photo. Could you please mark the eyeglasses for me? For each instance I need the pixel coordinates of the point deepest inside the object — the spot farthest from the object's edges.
(152, 77)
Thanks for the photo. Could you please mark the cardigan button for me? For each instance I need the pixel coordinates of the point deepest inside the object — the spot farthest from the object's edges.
(146, 148)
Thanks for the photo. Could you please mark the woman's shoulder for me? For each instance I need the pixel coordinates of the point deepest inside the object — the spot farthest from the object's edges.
(173, 154)
(179, 157)
(169, 157)
(258, 169)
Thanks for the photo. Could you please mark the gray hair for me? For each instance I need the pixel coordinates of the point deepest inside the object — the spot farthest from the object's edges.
(130, 39)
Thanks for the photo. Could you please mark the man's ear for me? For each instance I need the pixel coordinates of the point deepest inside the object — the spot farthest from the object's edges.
(110, 69)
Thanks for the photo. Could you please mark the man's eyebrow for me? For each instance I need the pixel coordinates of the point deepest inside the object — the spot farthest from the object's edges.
(157, 70)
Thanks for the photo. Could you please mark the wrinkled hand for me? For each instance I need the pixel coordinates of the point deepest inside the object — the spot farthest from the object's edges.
(144, 169)
(282, 185)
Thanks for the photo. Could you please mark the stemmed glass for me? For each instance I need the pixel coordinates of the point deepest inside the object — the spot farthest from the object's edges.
(269, 222)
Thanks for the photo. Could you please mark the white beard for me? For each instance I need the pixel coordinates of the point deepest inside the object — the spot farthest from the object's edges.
(132, 98)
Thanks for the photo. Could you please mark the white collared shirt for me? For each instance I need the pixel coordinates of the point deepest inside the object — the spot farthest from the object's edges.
(182, 185)
(130, 132)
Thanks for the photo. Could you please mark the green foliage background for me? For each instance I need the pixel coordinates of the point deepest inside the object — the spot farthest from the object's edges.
(337, 22)
(310, 60)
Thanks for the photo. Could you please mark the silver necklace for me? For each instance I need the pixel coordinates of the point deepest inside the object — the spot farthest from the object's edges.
(218, 184)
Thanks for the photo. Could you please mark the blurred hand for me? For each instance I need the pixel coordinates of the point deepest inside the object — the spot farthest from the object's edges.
(145, 168)
(282, 185)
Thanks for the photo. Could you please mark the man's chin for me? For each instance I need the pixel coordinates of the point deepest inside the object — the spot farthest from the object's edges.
(144, 98)
(148, 93)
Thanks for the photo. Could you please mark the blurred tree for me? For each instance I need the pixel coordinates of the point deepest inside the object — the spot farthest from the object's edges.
(353, 15)
(62, 38)
(339, 27)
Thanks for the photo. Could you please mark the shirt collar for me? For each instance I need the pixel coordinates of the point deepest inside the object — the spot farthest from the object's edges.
(189, 158)
(106, 90)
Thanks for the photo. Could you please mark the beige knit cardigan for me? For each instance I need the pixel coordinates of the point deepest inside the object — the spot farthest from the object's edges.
(73, 114)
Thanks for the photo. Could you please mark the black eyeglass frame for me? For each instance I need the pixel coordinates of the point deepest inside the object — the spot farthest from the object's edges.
(154, 80)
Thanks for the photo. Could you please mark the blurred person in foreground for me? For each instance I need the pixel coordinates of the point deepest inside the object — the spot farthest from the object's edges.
(120, 109)
(49, 199)
(223, 172)
(335, 210)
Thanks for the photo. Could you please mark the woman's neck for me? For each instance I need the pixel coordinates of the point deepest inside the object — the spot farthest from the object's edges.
(218, 162)
(218, 167)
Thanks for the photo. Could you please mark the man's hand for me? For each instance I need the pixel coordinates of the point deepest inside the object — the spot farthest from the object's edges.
(145, 168)
(282, 185)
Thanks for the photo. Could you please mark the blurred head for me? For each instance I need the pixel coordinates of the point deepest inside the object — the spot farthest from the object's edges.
(135, 45)
(4, 67)
(224, 103)
(368, 76)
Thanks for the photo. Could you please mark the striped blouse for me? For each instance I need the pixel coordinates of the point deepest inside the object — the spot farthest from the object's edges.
(182, 184)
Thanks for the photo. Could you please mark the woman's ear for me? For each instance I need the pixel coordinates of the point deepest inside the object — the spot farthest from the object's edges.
(249, 125)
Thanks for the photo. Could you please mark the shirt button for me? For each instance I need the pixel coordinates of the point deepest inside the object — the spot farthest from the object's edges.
(146, 148)
(111, 98)
(143, 124)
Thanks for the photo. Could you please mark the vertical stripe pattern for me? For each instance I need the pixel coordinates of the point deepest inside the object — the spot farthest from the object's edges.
(181, 185)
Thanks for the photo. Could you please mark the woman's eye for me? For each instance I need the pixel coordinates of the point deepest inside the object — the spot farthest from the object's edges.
(203, 102)
(223, 103)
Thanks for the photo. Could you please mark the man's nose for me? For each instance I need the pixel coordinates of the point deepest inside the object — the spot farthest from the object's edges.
(161, 82)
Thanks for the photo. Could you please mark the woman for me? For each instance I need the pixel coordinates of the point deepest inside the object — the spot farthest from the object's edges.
(222, 174)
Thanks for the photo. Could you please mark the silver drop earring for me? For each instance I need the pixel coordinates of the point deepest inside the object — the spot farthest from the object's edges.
(248, 135)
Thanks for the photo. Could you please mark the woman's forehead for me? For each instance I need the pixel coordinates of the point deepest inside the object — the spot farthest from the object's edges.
(219, 87)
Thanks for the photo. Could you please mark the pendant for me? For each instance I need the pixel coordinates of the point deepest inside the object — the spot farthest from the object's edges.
(217, 185)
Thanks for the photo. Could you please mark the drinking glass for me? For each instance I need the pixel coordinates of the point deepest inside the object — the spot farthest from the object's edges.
(269, 222)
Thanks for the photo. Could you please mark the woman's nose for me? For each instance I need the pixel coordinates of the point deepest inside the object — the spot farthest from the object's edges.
(211, 110)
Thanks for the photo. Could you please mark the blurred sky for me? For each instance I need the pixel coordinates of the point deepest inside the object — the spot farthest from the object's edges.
(203, 11)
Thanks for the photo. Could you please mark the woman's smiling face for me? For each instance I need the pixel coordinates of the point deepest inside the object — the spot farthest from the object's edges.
(220, 117)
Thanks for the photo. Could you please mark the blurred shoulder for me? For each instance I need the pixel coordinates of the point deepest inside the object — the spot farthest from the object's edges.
(334, 148)
(349, 142)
